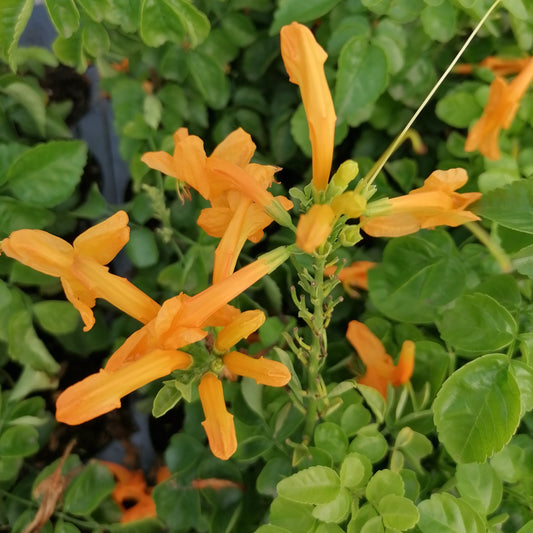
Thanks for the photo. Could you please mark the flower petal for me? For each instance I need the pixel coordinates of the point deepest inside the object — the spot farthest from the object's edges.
(218, 423)
(264, 371)
(237, 148)
(314, 227)
(239, 328)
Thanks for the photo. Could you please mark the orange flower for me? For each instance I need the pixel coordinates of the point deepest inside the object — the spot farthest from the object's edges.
(131, 493)
(353, 277)
(153, 351)
(218, 423)
(304, 61)
(241, 206)
(80, 266)
(314, 227)
(434, 204)
(263, 371)
(380, 369)
(502, 106)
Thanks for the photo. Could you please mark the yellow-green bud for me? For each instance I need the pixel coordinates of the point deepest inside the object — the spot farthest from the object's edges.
(350, 235)
(345, 174)
(350, 203)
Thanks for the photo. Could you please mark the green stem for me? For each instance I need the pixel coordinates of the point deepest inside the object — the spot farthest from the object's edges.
(380, 163)
(497, 252)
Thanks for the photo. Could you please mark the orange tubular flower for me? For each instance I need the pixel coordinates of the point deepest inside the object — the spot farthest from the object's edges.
(314, 227)
(80, 266)
(264, 371)
(152, 351)
(502, 106)
(434, 204)
(241, 206)
(131, 489)
(304, 61)
(380, 369)
(218, 423)
(498, 65)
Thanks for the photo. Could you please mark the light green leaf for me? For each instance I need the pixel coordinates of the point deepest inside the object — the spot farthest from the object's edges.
(480, 486)
(443, 513)
(316, 484)
(95, 38)
(167, 397)
(48, 173)
(14, 15)
(477, 409)
(64, 15)
(361, 78)
(477, 323)
(516, 8)
(152, 110)
(355, 470)
(384, 482)
(398, 512)
(96, 9)
(70, 51)
(335, 511)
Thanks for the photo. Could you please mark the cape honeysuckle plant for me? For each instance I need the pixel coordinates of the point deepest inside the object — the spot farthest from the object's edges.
(358, 349)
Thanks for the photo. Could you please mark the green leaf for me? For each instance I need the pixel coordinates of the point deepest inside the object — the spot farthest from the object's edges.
(477, 323)
(458, 109)
(32, 100)
(89, 489)
(167, 397)
(183, 453)
(172, 20)
(355, 471)
(384, 482)
(510, 206)
(19, 441)
(440, 22)
(64, 15)
(291, 10)
(477, 409)
(16, 215)
(371, 443)
(331, 438)
(152, 110)
(516, 8)
(272, 473)
(523, 373)
(96, 9)
(209, 78)
(361, 78)
(95, 39)
(56, 317)
(443, 513)
(14, 15)
(70, 51)
(48, 173)
(178, 505)
(480, 486)
(316, 484)
(239, 29)
(335, 511)
(25, 346)
(142, 247)
(292, 515)
(398, 512)
(418, 275)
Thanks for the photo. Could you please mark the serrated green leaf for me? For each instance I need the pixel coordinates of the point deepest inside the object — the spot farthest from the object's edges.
(361, 78)
(384, 482)
(398, 512)
(335, 511)
(48, 173)
(477, 323)
(95, 38)
(316, 484)
(96, 9)
(14, 15)
(417, 276)
(510, 206)
(86, 491)
(477, 409)
(355, 470)
(479, 485)
(331, 438)
(64, 15)
(443, 513)
(292, 515)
